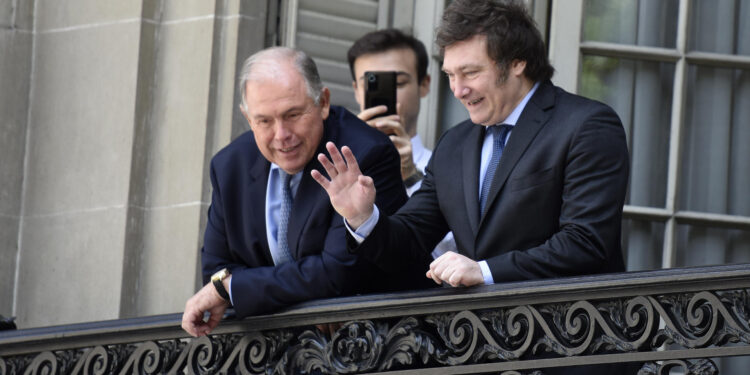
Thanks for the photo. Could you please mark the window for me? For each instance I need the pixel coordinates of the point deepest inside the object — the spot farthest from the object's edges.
(325, 30)
(678, 74)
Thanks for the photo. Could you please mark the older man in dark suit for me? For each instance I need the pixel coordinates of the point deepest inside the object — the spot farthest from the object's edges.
(532, 186)
(272, 238)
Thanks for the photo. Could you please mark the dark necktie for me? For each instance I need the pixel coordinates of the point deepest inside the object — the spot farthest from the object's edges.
(282, 248)
(499, 132)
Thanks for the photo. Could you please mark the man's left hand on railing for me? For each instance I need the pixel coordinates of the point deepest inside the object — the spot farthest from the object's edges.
(206, 300)
(456, 270)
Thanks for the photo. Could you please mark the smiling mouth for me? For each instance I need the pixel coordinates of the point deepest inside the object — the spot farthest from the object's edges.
(288, 149)
(474, 102)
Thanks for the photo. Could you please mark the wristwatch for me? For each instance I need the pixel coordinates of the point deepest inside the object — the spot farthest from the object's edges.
(414, 178)
(218, 280)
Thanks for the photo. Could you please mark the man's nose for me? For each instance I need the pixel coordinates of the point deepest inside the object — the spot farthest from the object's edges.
(459, 89)
(283, 131)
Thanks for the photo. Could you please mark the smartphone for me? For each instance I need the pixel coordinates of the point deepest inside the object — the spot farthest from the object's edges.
(380, 89)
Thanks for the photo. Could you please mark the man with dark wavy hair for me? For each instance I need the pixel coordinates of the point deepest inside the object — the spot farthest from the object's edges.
(532, 185)
(392, 50)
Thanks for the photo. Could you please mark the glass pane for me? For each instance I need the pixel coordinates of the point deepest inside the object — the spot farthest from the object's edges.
(715, 158)
(641, 94)
(721, 26)
(703, 246)
(643, 23)
(642, 244)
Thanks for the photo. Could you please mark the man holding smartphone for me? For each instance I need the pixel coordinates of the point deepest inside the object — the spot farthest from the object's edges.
(390, 50)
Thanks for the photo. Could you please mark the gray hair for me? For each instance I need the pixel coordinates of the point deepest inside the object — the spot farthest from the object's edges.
(274, 55)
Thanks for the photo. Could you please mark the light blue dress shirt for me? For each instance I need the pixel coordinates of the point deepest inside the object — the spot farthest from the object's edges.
(273, 207)
(511, 120)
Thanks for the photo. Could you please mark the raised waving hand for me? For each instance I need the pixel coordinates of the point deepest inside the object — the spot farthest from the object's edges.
(352, 194)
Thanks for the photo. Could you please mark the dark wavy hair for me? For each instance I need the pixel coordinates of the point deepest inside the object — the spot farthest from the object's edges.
(511, 34)
(386, 40)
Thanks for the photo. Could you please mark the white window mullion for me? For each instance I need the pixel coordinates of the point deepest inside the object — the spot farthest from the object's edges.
(425, 22)
(678, 115)
(384, 7)
(565, 40)
(289, 10)
(630, 51)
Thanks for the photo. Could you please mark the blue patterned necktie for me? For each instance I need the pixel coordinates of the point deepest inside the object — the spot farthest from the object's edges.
(499, 132)
(282, 244)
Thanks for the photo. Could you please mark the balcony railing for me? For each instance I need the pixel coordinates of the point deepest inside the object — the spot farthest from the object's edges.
(658, 319)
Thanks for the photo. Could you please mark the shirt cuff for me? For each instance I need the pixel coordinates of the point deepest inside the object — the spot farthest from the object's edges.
(366, 228)
(486, 273)
(231, 300)
(413, 189)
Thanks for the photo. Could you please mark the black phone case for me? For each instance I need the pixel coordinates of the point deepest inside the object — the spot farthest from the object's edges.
(380, 89)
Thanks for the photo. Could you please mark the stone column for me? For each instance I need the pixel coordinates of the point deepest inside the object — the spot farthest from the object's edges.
(115, 111)
(15, 70)
(78, 156)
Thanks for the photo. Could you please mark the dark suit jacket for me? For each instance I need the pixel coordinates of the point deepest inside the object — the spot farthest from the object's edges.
(322, 267)
(555, 204)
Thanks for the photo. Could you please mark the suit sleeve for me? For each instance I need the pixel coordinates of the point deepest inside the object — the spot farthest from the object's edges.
(407, 238)
(331, 272)
(594, 183)
(215, 253)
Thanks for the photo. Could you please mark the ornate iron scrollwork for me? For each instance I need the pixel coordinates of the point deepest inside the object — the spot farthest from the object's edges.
(94, 361)
(699, 367)
(582, 327)
(360, 346)
(703, 319)
(693, 321)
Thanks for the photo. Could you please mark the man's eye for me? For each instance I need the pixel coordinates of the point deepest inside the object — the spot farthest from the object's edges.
(402, 83)
(471, 73)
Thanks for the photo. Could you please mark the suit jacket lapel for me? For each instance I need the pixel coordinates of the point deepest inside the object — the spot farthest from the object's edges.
(470, 171)
(257, 188)
(532, 119)
(309, 193)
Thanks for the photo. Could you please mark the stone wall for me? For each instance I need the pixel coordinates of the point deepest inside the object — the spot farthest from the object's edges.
(110, 113)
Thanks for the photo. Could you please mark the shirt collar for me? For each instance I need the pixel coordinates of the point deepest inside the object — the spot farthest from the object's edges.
(293, 183)
(512, 118)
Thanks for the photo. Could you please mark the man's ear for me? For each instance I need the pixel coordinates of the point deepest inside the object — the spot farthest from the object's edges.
(424, 86)
(325, 102)
(517, 67)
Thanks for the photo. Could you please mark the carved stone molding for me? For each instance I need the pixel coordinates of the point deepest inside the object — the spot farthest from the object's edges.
(470, 337)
